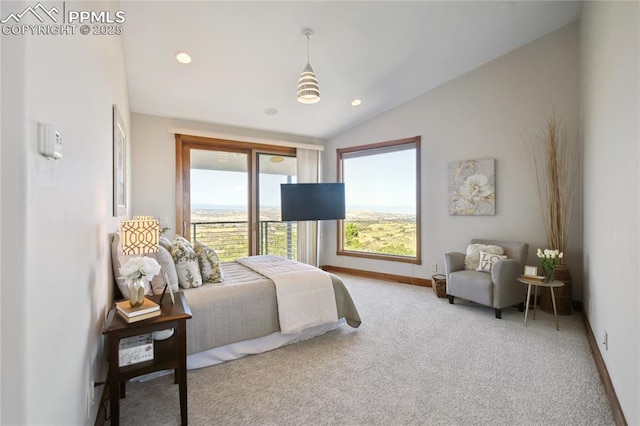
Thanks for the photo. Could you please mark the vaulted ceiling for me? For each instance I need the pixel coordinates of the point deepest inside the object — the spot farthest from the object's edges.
(247, 56)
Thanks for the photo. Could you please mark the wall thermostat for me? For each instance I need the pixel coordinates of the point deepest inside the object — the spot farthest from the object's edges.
(49, 141)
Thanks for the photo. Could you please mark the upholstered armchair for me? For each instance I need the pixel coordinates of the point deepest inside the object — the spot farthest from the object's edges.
(497, 288)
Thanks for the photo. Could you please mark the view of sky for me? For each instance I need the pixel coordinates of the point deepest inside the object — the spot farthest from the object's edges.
(378, 181)
(224, 188)
(375, 182)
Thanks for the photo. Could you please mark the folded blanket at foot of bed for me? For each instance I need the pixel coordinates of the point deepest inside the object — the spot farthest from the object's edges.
(304, 294)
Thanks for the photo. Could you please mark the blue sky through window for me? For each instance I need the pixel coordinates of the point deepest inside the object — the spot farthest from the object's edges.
(384, 182)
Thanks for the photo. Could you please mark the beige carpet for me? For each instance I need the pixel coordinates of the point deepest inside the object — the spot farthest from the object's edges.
(414, 360)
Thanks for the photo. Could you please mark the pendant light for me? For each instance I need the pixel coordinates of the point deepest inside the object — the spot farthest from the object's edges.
(308, 89)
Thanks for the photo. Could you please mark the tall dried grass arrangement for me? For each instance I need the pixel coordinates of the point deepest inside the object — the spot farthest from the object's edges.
(555, 160)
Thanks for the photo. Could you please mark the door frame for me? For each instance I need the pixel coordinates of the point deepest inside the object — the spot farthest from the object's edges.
(184, 144)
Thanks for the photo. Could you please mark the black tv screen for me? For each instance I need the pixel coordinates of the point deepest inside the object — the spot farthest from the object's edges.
(312, 201)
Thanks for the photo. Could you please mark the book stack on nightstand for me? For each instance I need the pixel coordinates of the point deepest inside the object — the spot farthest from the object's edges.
(148, 309)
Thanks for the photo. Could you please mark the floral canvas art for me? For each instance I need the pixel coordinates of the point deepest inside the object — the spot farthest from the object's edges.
(472, 187)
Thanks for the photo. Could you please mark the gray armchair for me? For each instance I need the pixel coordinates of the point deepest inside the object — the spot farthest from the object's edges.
(498, 288)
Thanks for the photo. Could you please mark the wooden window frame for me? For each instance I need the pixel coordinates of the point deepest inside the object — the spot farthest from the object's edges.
(381, 256)
(184, 143)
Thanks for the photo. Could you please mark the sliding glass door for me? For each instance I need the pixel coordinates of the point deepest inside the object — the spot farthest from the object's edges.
(274, 236)
(219, 205)
(228, 196)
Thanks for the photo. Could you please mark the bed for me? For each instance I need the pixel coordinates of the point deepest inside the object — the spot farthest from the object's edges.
(243, 314)
(239, 317)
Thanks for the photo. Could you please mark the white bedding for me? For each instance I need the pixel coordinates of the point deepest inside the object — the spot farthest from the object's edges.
(305, 294)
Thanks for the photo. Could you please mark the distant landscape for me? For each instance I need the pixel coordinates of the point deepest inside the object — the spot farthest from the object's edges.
(369, 231)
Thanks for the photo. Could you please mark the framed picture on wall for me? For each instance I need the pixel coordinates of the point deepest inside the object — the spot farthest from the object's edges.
(472, 190)
(119, 165)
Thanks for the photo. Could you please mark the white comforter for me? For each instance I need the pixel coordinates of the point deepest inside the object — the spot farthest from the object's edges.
(305, 294)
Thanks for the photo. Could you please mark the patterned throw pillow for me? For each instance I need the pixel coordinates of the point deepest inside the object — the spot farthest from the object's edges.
(472, 259)
(487, 260)
(209, 261)
(186, 263)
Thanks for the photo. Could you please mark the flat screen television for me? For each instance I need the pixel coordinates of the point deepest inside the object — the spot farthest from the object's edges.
(312, 201)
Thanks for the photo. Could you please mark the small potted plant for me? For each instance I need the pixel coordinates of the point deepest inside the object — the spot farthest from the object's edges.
(549, 259)
(135, 272)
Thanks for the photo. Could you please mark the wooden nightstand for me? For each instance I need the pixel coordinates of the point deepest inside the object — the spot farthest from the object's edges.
(169, 354)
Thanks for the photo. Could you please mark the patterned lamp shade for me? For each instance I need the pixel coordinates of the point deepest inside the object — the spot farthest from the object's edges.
(308, 89)
(139, 235)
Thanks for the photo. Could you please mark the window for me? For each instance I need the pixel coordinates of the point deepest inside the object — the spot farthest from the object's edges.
(228, 196)
(382, 186)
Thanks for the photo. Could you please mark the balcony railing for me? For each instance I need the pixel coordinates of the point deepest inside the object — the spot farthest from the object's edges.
(230, 239)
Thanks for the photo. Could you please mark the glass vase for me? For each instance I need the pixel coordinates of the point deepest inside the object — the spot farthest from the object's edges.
(548, 275)
(136, 292)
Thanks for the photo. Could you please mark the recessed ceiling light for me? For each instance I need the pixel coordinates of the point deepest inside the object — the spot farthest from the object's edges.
(183, 57)
(356, 102)
(271, 111)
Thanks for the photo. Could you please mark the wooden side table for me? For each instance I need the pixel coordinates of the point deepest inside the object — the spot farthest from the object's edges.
(169, 354)
(537, 284)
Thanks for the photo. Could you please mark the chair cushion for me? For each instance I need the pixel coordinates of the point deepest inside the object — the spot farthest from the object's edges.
(471, 285)
(472, 258)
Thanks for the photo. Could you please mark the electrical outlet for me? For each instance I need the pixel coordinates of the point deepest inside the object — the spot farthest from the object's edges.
(434, 267)
(606, 341)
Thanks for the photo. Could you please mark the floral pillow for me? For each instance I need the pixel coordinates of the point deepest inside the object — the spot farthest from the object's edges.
(472, 259)
(487, 260)
(186, 262)
(209, 261)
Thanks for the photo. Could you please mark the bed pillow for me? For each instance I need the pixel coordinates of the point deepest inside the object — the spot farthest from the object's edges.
(487, 260)
(167, 266)
(472, 258)
(209, 262)
(165, 242)
(186, 263)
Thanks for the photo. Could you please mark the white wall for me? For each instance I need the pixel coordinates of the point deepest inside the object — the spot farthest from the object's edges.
(153, 154)
(482, 114)
(610, 107)
(56, 270)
